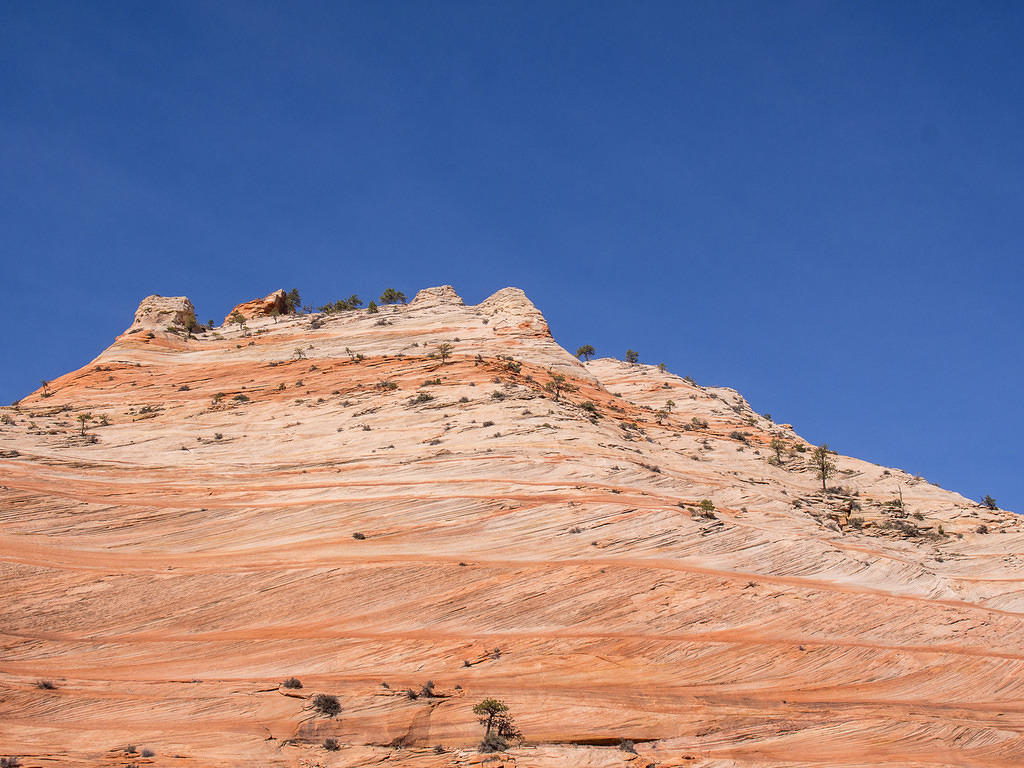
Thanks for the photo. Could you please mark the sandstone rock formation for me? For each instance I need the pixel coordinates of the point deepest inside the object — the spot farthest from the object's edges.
(265, 307)
(162, 311)
(328, 500)
(432, 297)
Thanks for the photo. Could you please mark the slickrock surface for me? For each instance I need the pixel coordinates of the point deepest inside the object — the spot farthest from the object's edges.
(197, 545)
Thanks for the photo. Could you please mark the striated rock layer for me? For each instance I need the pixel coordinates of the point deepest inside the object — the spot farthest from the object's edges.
(187, 522)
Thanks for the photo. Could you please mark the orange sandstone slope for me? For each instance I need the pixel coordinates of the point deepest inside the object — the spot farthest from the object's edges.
(323, 497)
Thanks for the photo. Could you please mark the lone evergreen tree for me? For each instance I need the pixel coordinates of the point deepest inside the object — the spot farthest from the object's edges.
(586, 352)
(444, 351)
(292, 301)
(391, 296)
(778, 446)
(501, 727)
(632, 356)
(558, 385)
(821, 458)
(989, 502)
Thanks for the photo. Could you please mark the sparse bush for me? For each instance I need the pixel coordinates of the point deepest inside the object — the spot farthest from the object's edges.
(698, 423)
(184, 388)
(10, 762)
(292, 682)
(331, 745)
(241, 398)
(147, 753)
(359, 536)
(982, 528)
(989, 502)
(488, 424)
(45, 685)
(627, 746)
(492, 742)
(326, 705)
(422, 397)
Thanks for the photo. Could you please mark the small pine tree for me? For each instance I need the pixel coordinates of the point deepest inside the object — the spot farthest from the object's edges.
(500, 725)
(558, 385)
(372, 307)
(989, 502)
(632, 356)
(444, 351)
(292, 301)
(821, 459)
(391, 296)
(778, 446)
(586, 352)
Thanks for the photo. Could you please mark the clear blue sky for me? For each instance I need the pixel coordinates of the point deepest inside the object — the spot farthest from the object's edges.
(820, 204)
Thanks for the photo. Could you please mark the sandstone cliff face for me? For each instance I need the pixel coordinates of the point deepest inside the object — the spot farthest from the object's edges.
(168, 569)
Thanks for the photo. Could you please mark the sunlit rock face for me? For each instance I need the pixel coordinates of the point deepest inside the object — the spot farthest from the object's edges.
(439, 492)
(271, 304)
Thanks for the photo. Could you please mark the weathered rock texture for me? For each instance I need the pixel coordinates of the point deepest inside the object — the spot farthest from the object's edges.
(265, 307)
(161, 311)
(168, 569)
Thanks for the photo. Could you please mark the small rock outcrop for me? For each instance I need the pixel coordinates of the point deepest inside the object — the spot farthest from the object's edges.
(261, 307)
(433, 297)
(161, 311)
(512, 310)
